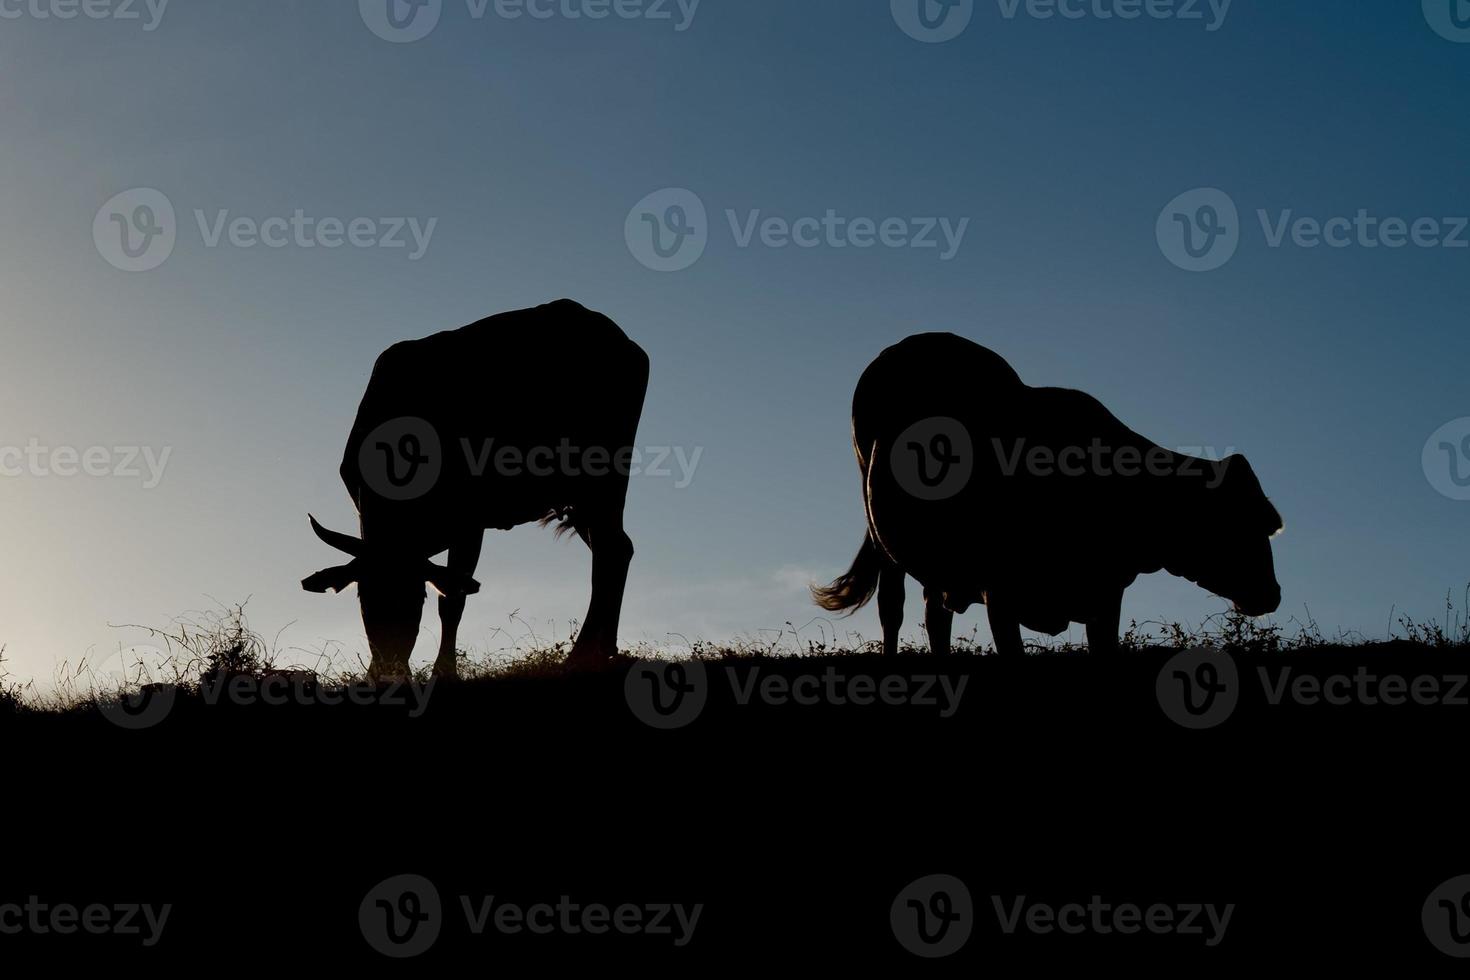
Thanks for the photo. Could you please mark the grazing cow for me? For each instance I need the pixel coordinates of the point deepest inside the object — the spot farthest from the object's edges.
(525, 416)
(1035, 501)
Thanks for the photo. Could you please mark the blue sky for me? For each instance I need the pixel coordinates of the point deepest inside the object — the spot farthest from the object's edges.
(527, 141)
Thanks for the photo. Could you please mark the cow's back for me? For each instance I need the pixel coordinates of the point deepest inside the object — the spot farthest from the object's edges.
(549, 358)
(530, 380)
(928, 375)
(941, 383)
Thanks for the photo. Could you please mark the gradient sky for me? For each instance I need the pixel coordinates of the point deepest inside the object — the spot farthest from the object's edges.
(1061, 140)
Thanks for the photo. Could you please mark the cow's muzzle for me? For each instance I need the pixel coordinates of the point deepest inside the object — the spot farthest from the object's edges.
(1262, 605)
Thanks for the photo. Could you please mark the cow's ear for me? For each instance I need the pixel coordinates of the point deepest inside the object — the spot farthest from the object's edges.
(1238, 478)
(333, 579)
(1238, 466)
(450, 583)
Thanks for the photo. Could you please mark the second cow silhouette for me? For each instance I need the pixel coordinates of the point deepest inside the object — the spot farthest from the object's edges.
(526, 416)
(1035, 501)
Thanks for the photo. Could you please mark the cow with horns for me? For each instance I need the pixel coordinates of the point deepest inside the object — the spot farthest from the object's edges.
(466, 430)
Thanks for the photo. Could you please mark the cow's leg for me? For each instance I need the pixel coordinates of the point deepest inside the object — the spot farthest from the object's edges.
(612, 552)
(1005, 628)
(890, 605)
(1102, 631)
(464, 555)
(938, 622)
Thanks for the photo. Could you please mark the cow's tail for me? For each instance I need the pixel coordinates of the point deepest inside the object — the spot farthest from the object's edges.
(852, 590)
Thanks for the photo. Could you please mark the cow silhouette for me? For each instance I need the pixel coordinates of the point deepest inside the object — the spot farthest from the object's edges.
(1035, 501)
(521, 417)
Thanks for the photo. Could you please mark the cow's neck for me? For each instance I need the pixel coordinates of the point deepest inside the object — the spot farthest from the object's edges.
(1177, 548)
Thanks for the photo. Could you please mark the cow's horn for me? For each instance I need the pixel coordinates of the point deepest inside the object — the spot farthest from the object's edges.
(338, 540)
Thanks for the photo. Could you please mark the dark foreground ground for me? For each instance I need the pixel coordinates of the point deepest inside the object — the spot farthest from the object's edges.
(808, 835)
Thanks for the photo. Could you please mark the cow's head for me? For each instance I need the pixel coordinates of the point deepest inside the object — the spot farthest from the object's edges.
(390, 589)
(1234, 546)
